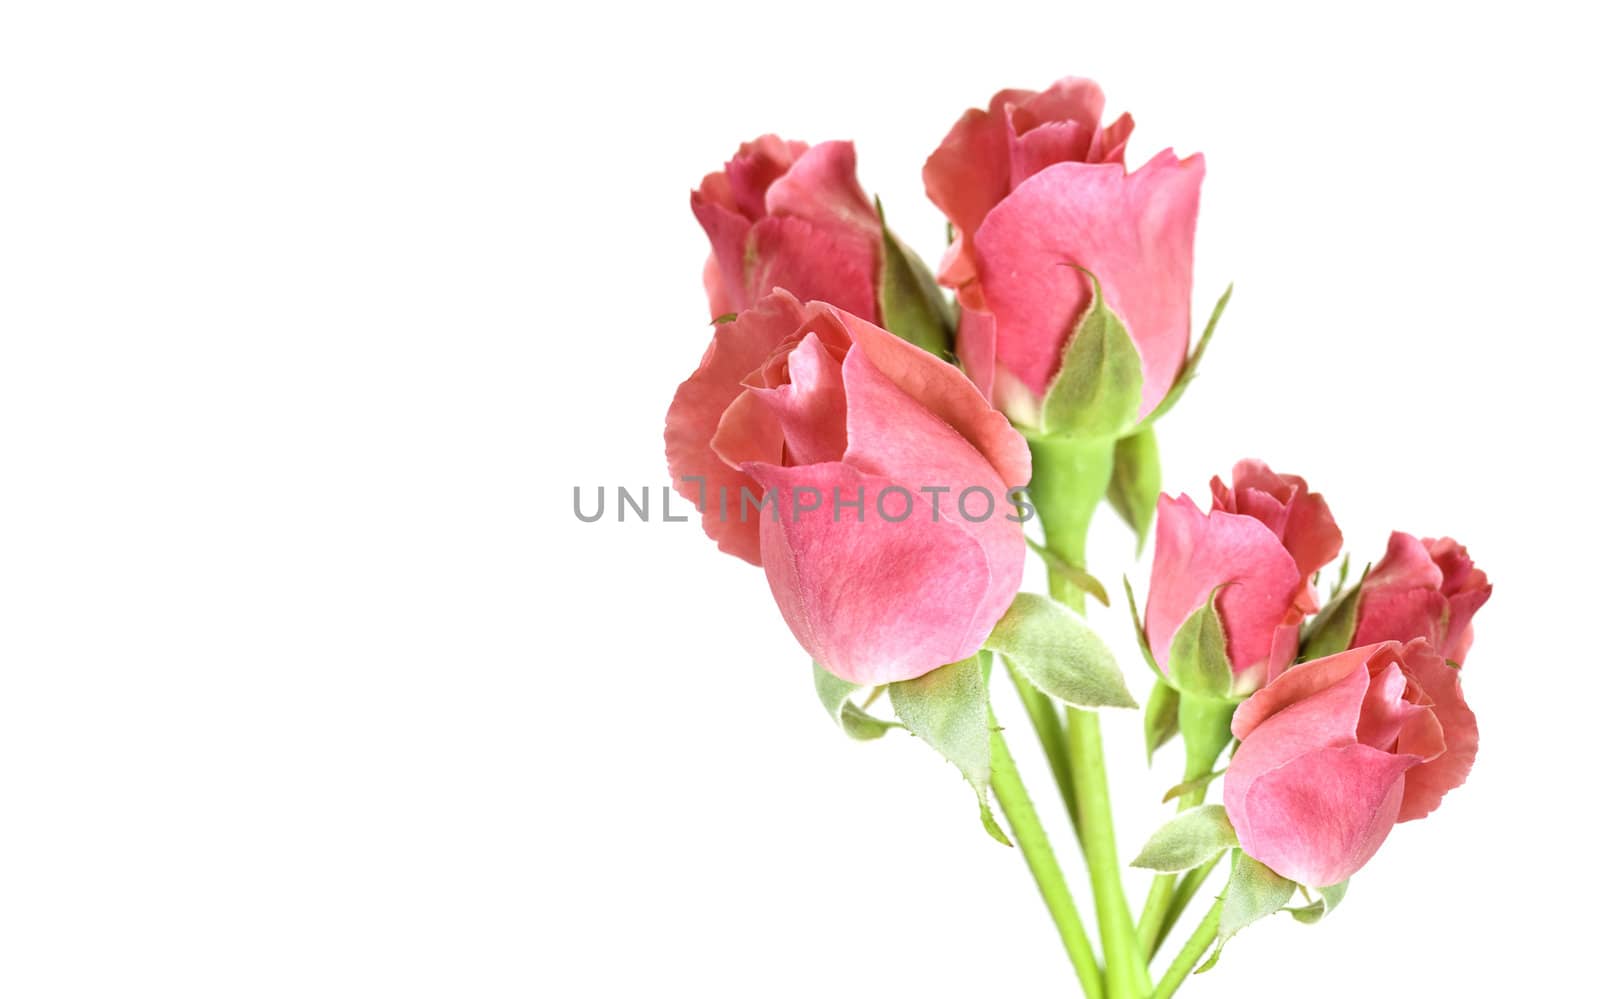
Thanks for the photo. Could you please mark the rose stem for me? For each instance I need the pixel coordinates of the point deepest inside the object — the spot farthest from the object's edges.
(1041, 859)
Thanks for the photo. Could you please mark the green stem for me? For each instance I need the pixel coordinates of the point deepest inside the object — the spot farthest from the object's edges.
(1191, 953)
(1162, 889)
(1049, 727)
(1186, 891)
(1041, 860)
(1205, 725)
(1126, 971)
(1069, 479)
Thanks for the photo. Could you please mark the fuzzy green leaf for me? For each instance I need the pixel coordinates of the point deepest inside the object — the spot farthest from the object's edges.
(1138, 629)
(1188, 840)
(1096, 393)
(1136, 482)
(1334, 627)
(1079, 578)
(1331, 897)
(1198, 659)
(835, 696)
(1254, 892)
(1191, 366)
(914, 308)
(1160, 718)
(1059, 654)
(1189, 786)
(949, 710)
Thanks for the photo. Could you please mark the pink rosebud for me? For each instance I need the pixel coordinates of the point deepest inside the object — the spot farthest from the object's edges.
(1335, 751)
(1035, 183)
(784, 215)
(1262, 541)
(1428, 589)
(864, 445)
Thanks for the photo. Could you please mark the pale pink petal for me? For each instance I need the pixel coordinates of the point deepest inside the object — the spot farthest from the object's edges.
(821, 187)
(809, 407)
(1318, 818)
(876, 601)
(1195, 554)
(1135, 232)
(948, 394)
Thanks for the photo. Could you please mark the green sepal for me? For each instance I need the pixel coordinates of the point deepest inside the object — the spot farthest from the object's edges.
(1138, 630)
(1079, 578)
(1160, 718)
(1059, 654)
(1136, 482)
(1096, 393)
(913, 306)
(1191, 365)
(1334, 627)
(1197, 661)
(726, 317)
(1187, 840)
(1199, 783)
(1330, 898)
(1253, 892)
(949, 710)
(835, 695)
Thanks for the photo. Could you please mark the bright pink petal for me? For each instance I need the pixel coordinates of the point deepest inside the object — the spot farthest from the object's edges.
(944, 391)
(728, 232)
(821, 187)
(1427, 784)
(1135, 232)
(1319, 817)
(1196, 553)
(736, 349)
(1299, 684)
(754, 169)
(874, 601)
(975, 348)
(809, 408)
(834, 264)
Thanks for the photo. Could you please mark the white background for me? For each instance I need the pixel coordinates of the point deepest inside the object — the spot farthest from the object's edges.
(313, 315)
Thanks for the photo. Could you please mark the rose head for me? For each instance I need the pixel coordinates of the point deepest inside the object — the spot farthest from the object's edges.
(1428, 589)
(1335, 751)
(785, 215)
(1035, 183)
(808, 405)
(1264, 538)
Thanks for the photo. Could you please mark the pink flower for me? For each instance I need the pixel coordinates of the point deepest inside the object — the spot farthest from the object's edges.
(1262, 541)
(1428, 589)
(864, 445)
(1034, 183)
(784, 215)
(1335, 751)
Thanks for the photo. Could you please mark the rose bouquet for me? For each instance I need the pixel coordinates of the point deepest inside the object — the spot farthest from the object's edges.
(881, 439)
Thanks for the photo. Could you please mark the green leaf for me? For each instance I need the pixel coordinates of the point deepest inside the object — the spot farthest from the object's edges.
(1071, 573)
(914, 308)
(949, 710)
(1136, 482)
(1189, 786)
(835, 696)
(1189, 839)
(1138, 629)
(1059, 654)
(1198, 659)
(1160, 718)
(1097, 391)
(1331, 897)
(1191, 367)
(1334, 626)
(1254, 892)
